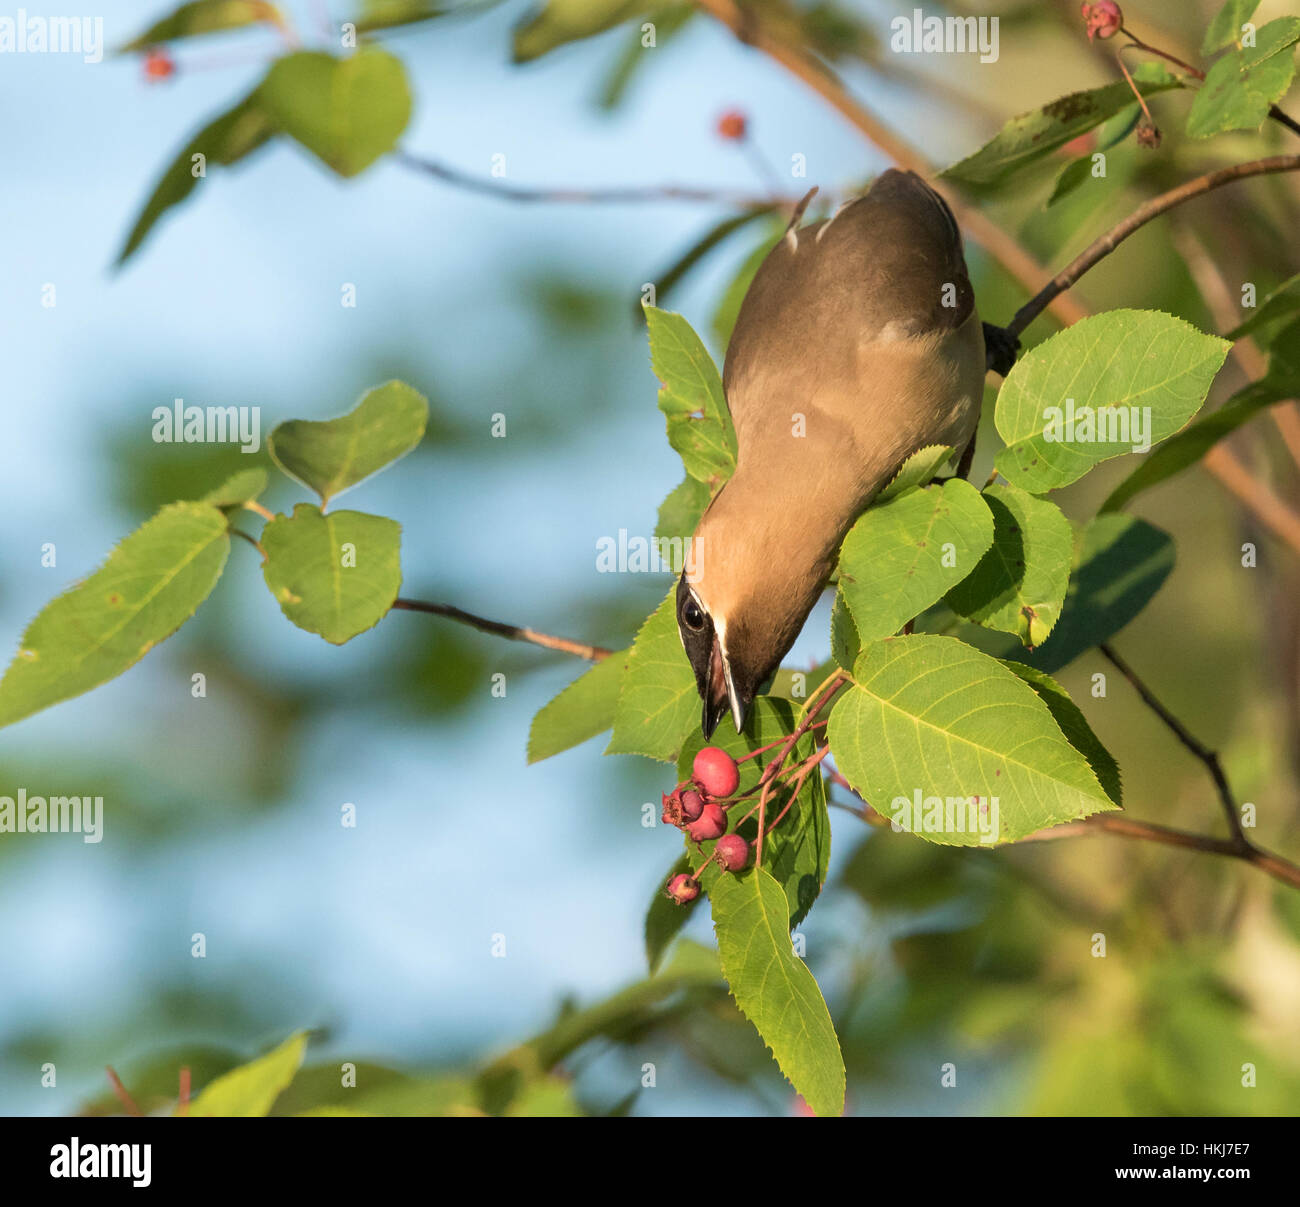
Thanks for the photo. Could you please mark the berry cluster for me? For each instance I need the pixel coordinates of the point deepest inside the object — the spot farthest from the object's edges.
(699, 807)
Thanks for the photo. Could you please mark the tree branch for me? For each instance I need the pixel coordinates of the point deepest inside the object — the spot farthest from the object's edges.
(592, 653)
(1102, 247)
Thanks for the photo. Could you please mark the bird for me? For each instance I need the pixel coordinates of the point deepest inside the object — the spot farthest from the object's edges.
(857, 343)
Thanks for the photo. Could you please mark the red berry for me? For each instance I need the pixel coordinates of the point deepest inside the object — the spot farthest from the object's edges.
(732, 852)
(731, 125)
(692, 804)
(1103, 19)
(158, 65)
(716, 772)
(710, 824)
(682, 888)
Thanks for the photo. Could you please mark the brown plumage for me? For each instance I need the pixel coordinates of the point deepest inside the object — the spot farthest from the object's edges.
(857, 343)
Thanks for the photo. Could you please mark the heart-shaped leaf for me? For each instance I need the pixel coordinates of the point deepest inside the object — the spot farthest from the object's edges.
(346, 112)
(332, 455)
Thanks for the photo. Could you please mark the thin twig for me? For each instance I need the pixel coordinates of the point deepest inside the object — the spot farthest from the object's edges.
(1103, 246)
(128, 1103)
(631, 194)
(1185, 736)
(592, 653)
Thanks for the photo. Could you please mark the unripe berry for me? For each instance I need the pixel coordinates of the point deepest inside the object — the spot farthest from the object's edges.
(692, 804)
(716, 772)
(732, 852)
(682, 889)
(731, 125)
(711, 823)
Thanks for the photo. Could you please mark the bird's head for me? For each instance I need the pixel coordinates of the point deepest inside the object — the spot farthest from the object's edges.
(723, 681)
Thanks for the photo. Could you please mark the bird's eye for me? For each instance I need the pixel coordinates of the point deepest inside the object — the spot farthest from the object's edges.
(692, 616)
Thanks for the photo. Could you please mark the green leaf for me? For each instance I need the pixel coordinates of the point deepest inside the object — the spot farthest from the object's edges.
(668, 22)
(378, 15)
(150, 585)
(334, 455)
(1034, 135)
(657, 700)
(665, 917)
(346, 112)
(699, 423)
(1132, 377)
(251, 1090)
(1238, 96)
(774, 989)
(1113, 131)
(1283, 302)
(205, 17)
(901, 556)
(225, 140)
(929, 718)
(680, 512)
(238, 489)
(560, 21)
(1020, 583)
(797, 854)
(1074, 726)
(1225, 25)
(845, 642)
(1271, 39)
(1189, 446)
(917, 470)
(582, 710)
(1122, 563)
(335, 575)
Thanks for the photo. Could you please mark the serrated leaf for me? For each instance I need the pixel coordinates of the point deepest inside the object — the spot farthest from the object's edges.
(346, 112)
(1132, 377)
(917, 470)
(334, 575)
(845, 642)
(251, 1090)
(558, 22)
(903, 555)
(225, 140)
(774, 989)
(1238, 92)
(1075, 728)
(205, 17)
(1122, 563)
(657, 699)
(1190, 445)
(1034, 135)
(1019, 585)
(151, 584)
(680, 512)
(930, 718)
(665, 917)
(333, 455)
(798, 851)
(1225, 25)
(581, 711)
(691, 398)
(238, 489)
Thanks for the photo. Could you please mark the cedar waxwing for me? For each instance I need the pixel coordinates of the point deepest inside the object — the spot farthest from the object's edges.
(857, 344)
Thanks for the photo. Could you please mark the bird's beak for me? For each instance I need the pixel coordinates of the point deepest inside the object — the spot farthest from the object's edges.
(721, 694)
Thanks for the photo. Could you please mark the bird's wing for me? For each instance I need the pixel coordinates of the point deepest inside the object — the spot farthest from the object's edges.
(887, 265)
